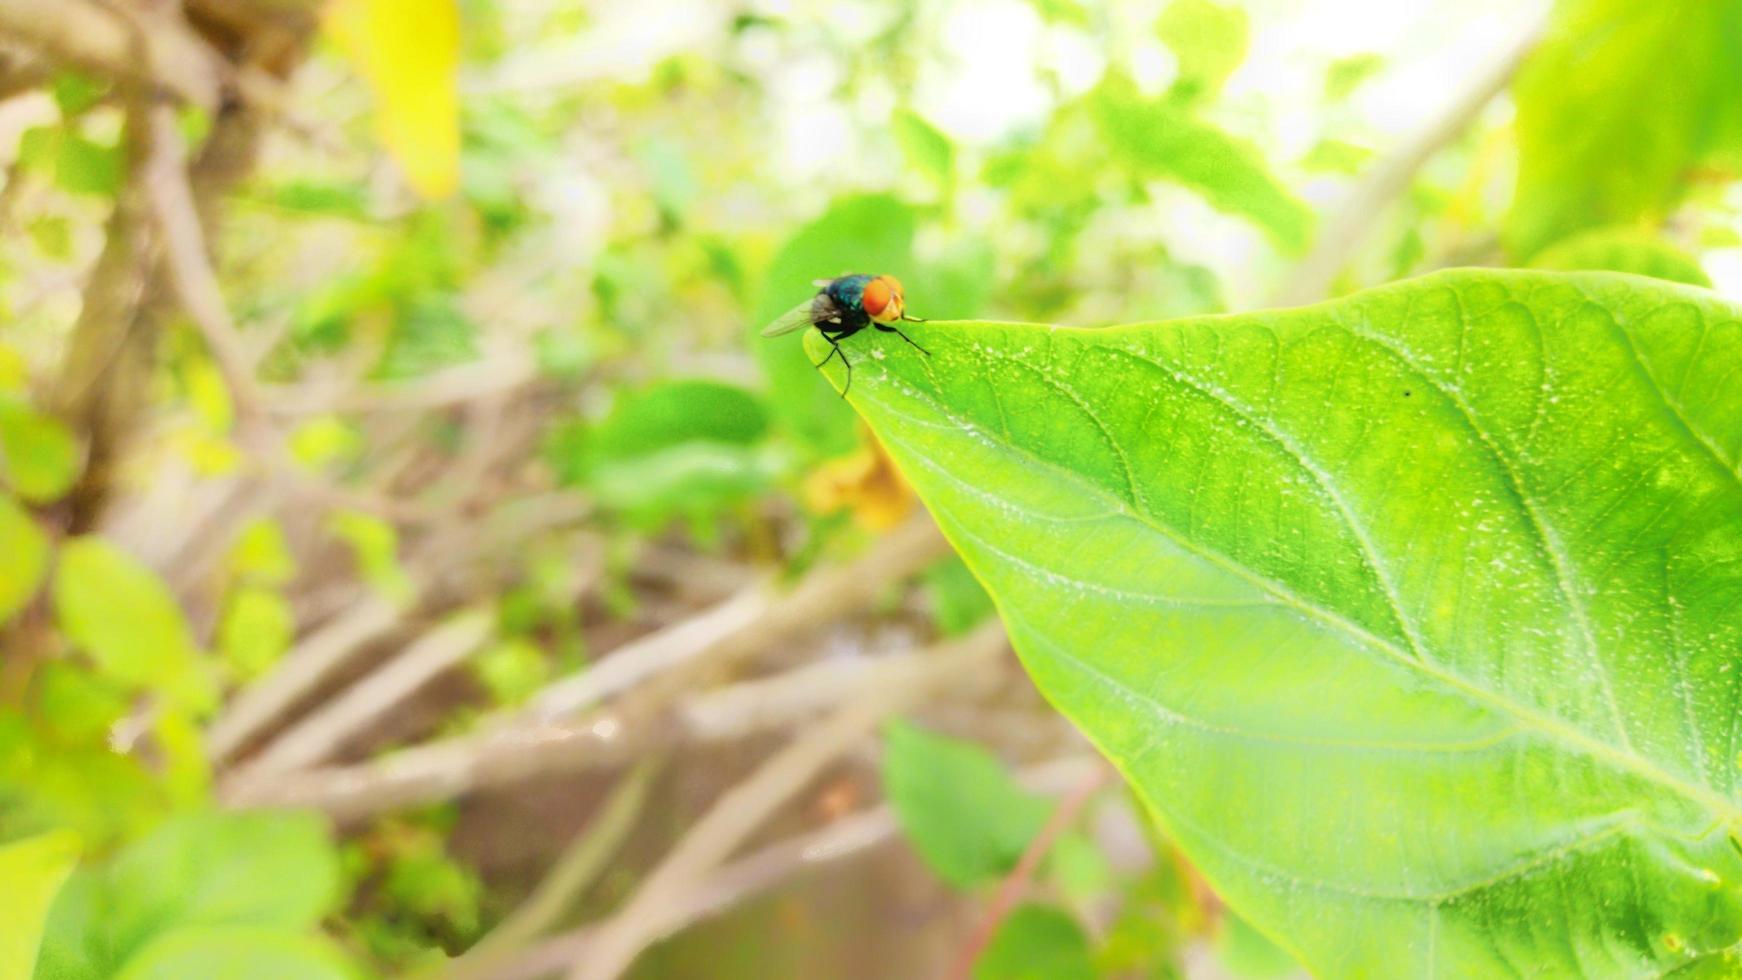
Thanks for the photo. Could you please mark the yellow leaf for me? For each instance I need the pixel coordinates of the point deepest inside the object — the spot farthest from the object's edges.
(864, 481)
(409, 51)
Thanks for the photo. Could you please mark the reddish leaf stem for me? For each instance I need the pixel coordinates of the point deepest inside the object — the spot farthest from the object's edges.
(1015, 884)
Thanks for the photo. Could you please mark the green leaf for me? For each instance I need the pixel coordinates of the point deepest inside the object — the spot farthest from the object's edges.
(74, 92)
(927, 150)
(1157, 138)
(33, 871)
(256, 630)
(121, 614)
(1037, 942)
(209, 869)
(1614, 108)
(260, 874)
(512, 670)
(38, 454)
(375, 548)
(679, 447)
(1348, 74)
(963, 813)
(1623, 250)
(1413, 616)
(254, 953)
(23, 558)
(1208, 40)
(957, 599)
(870, 233)
(261, 555)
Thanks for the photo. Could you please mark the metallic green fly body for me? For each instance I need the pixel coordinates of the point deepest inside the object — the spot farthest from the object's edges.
(844, 306)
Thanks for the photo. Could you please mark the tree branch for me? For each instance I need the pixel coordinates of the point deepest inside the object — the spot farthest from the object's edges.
(762, 870)
(742, 809)
(1358, 214)
(100, 41)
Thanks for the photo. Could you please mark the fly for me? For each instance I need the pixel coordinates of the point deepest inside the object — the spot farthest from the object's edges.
(844, 306)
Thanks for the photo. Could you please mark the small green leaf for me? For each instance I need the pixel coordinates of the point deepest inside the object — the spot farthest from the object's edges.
(1079, 868)
(1037, 942)
(1208, 40)
(338, 200)
(1156, 138)
(958, 601)
(74, 92)
(33, 871)
(1348, 74)
(38, 455)
(375, 548)
(1460, 553)
(513, 670)
(927, 150)
(261, 555)
(256, 630)
(1337, 157)
(324, 441)
(23, 558)
(123, 616)
(958, 806)
(1623, 250)
(682, 447)
(266, 874)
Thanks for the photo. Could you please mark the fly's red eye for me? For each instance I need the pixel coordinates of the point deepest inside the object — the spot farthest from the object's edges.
(877, 296)
(894, 285)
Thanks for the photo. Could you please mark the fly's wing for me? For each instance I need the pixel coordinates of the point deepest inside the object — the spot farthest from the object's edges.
(796, 318)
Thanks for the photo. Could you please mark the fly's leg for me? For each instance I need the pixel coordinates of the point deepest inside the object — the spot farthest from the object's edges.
(835, 348)
(886, 328)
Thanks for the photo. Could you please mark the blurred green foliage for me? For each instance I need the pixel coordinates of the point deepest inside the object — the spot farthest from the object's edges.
(486, 190)
(957, 805)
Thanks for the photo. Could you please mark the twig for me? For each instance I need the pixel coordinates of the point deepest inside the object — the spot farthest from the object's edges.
(171, 201)
(440, 389)
(577, 868)
(76, 31)
(301, 670)
(742, 809)
(323, 732)
(601, 740)
(1358, 213)
(1011, 889)
(764, 869)
(750, 621)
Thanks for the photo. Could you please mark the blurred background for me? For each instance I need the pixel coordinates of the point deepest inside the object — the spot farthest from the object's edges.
(413, 563)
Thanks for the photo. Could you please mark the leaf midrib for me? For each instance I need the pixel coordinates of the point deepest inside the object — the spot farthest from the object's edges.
(1551, 726)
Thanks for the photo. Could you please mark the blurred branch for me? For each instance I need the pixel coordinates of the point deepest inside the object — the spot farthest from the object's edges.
(751, 621)
(1358, 214)
(165, 181)
(530, 744)
(646, 917)
(777, 863)
(101, 41)
(603, 740)
(578, 867)
(1011, 889)
(298, 674)
(440, 389)
(322, 733)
